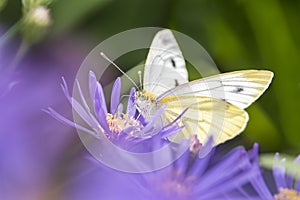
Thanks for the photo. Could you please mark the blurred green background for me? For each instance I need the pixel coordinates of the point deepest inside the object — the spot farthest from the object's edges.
(238, 34)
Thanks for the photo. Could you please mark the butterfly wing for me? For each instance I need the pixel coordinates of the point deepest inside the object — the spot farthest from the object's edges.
(165, 66)
(239, 88)
(205, 116)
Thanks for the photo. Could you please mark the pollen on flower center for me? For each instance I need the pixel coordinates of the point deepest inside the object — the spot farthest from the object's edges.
(287, 194)
(118, 123)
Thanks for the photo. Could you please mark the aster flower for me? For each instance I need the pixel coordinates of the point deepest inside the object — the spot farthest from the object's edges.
(287, 185)
(126, 130)
(197, 174)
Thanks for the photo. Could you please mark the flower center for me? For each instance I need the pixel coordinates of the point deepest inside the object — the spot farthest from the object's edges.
(174, 186)
(176, 189)
(287, 194)
(120, 122)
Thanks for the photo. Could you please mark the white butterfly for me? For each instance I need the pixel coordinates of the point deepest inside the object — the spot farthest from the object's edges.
(213, 105)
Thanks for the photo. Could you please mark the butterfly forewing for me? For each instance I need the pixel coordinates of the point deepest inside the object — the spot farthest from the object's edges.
(165, 65)
(240, 88)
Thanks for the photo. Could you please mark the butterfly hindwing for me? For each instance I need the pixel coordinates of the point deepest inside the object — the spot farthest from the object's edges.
(205, 116)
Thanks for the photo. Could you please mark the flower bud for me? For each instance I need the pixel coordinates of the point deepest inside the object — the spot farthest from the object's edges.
(35, 23)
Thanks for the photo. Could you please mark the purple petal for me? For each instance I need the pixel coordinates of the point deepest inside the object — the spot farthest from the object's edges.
(165, 133)
(233, 182)
(297, 185)
(115, 96)
(260, 186)
(224, 169)
(126, 132)
(253, 153)
(297, 182)
(131, 109)
(182, 163)
(207, 147)
(65, 89)
(64, 120)
(87, 108)
(279, 174)
(92, 85)
(258, 182)
(77, 107)
(177, 118)
(120, 108)
(154, 119)
(103, 122)
(82, 112)
(199, 168)
(289, 180)
(99, 100)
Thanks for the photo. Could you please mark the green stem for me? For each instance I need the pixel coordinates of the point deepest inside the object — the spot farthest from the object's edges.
(19, 55)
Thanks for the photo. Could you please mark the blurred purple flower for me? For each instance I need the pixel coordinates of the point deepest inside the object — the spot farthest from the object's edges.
(196, 175)
(31, 143)
(127, 130)
(287, 186)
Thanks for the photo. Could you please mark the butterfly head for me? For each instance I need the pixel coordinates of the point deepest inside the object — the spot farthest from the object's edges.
(145, 96)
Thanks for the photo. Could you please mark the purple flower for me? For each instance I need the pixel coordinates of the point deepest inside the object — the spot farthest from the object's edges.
(195, 175)
(287, 185)
(127, 130)
(32, 144)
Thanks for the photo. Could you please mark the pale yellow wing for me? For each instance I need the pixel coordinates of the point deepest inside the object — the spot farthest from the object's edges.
(240, 88)
(205, 116)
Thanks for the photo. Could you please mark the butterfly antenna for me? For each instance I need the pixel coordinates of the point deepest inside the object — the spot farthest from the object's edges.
(109, 60)
(140, 77)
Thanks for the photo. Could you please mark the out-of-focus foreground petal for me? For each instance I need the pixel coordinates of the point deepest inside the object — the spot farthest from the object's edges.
(31, 143)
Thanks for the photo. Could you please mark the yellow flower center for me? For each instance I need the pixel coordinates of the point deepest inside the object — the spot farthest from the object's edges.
(287, 194)
(120, 122)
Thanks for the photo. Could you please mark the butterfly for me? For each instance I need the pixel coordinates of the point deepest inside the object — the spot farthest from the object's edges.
(213, 105)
